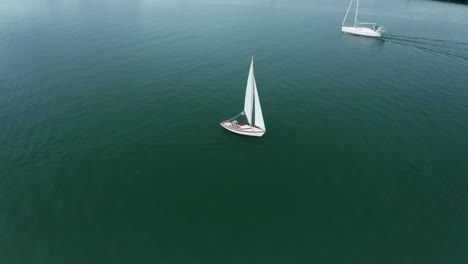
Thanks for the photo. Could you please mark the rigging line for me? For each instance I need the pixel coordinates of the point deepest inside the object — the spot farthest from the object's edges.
(349, 7)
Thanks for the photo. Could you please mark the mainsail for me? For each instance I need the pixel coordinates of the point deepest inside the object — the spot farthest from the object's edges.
(252, 108)
(248, 103)
(258, 111)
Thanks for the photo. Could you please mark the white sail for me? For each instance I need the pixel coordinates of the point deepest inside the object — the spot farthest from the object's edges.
(258, 110)
(248, 103)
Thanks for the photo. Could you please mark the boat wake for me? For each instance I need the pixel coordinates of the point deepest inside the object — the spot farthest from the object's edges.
(449, 48)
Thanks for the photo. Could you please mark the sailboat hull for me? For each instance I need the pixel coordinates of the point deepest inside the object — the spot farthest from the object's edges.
(243, 129)
(362, 31)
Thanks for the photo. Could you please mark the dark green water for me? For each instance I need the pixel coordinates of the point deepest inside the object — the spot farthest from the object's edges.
(111, 149)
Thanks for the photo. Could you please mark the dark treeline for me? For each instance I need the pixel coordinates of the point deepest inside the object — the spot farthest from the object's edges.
(455, 1)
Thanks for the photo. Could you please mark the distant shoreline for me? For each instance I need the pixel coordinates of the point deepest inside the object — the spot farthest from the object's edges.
(454, 1)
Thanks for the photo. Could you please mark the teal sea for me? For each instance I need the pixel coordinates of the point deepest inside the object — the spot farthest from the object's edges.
(111, 149)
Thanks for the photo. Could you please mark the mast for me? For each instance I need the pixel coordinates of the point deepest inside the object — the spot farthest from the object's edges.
(349, 7)
(355, 16)
(253, 94)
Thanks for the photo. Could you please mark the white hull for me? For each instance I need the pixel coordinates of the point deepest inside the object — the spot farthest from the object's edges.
(243, 129)
(362, 31)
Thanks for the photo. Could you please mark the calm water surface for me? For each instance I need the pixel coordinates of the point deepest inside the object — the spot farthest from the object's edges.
(111, 149)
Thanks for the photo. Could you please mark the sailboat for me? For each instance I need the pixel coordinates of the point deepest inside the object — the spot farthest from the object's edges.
(369, 30)
(251, 118)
